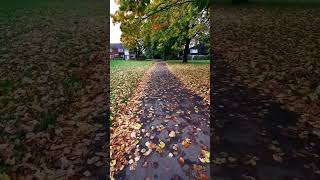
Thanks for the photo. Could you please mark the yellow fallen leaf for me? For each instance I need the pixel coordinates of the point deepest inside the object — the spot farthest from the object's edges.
(136, 142)
(162, 145)
(113, 162)
(137, 126)
(204, 156)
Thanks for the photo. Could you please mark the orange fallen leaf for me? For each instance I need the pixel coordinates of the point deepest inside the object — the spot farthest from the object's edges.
(186, 143)
(201, 177)
(148, 152)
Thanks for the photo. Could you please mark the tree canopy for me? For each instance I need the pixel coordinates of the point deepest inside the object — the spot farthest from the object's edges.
(160, 27)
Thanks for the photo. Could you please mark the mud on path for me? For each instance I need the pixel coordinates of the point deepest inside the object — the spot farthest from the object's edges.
(175, 138)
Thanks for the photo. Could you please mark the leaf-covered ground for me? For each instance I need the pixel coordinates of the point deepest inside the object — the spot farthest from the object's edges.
(275, 49)
(127, 81)
(195, 75)
(52, 69)
(266, 76)
(172, 137)
(124, 77)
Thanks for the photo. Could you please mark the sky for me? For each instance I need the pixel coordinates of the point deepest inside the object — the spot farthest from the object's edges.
(115, 31)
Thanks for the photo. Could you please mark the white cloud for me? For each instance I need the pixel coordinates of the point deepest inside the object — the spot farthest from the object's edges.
(115, 31)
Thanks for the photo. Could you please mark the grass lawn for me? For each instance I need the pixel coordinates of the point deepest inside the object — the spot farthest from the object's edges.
(124, 77)
(195, 75)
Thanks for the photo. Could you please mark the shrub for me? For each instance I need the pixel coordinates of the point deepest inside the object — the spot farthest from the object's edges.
(198, 57)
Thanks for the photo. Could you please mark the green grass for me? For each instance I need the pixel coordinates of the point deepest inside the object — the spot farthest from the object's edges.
(124, 77)
(72, 82)
(116, 65)
(5, 87)
(45, 121)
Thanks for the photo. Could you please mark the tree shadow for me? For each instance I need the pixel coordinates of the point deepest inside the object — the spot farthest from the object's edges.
(252, 135)
(99, 145)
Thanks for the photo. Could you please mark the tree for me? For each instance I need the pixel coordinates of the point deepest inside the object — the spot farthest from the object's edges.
(131, 36)
(162, 24)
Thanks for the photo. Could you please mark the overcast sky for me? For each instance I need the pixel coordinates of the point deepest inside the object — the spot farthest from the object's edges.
(115, 32)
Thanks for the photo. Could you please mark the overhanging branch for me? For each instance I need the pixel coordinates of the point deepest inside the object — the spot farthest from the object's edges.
(177, 3)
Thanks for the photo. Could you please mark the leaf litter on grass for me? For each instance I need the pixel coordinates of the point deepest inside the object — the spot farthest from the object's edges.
(195, 76)
(280, 64)
(49, 66)
(254, 41)
(124, 122)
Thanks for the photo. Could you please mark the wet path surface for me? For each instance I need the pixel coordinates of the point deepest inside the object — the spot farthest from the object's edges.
(175, 138)
(255, 138)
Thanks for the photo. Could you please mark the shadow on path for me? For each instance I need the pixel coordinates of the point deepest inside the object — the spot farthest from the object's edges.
(255, 138)
(172, 115)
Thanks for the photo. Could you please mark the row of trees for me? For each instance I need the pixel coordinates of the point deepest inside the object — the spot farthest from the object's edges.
(161, 27)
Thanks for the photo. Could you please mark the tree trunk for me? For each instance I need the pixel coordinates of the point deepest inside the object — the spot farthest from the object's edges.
(164, 55)
(137, 54)
(186, 51)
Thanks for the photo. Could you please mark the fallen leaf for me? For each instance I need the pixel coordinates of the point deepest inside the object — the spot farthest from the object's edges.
(204, 156)
(137, 158)
(162, 145)
(181, 161)
(145, 164)
(87, 173)
(148, 152)
(150, 145)
(277, 157)
(172, 134)
(131, 161)
(201, 176)
(133, 134)
(113, 162)
(186, 143)
(219, 160)
(137, 126)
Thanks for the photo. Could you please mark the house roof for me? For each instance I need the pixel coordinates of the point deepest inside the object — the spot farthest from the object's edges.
(116, 45)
